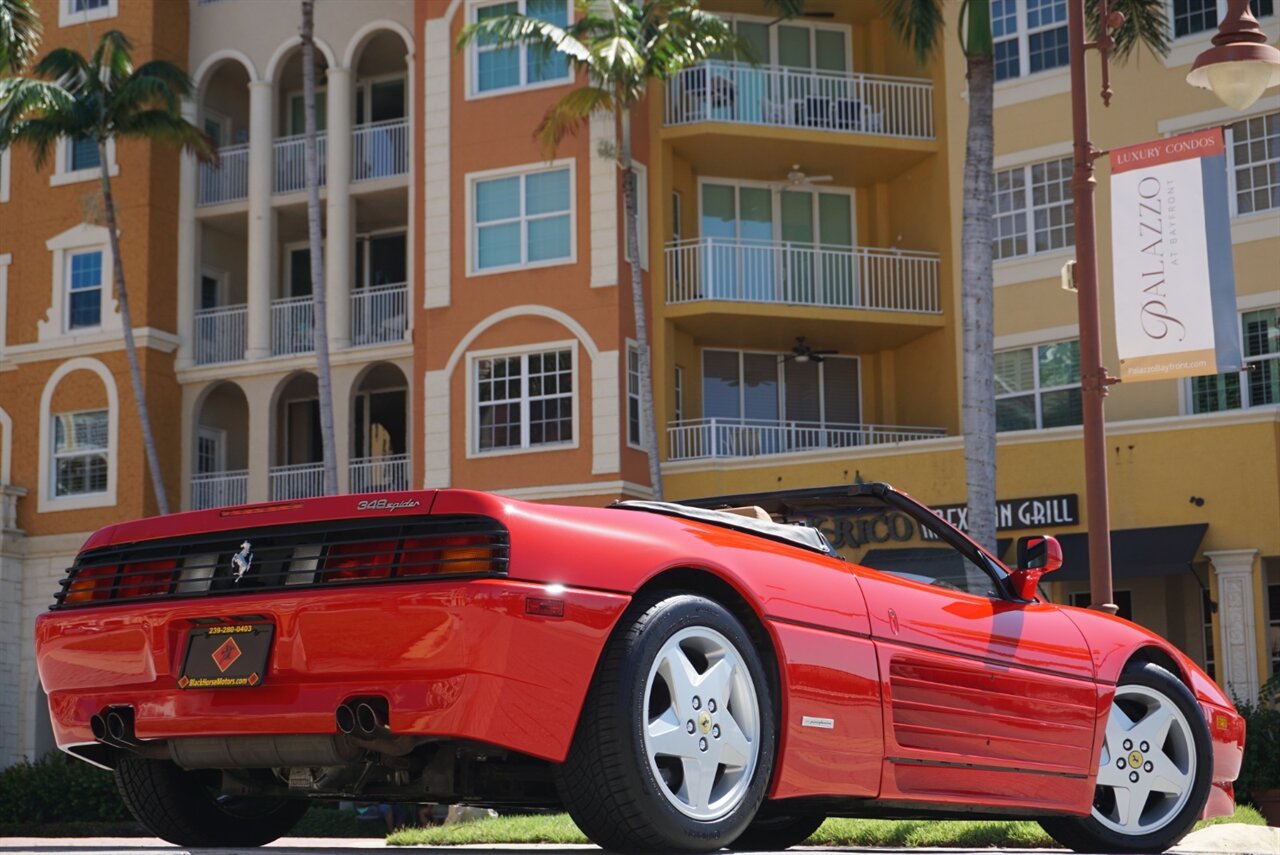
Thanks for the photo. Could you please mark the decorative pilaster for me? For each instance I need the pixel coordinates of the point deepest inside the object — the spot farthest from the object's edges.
(12, 635)
(262, 231)
(1237, 661)
(435, 184)
(339, 227)
(435, 440)
(603, 172)
(187, 251)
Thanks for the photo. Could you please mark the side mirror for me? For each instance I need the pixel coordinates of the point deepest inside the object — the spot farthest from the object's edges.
(1037, 555)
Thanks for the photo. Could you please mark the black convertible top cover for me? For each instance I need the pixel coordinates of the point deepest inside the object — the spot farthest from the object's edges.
(795, 535)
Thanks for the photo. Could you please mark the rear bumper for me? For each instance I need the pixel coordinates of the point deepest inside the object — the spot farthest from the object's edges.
(454, 659)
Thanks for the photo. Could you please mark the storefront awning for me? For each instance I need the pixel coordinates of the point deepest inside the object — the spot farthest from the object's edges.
(1158, 551)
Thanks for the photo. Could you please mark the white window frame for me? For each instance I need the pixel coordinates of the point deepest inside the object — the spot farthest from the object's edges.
(521, 171)
(642, 216)
(776, 206)
(1188, 384)
(783, 418)
(473, 398)
(77, 239)
(633, 395)
(322, 97)
(45, 500)
(771, 61)
(222, 122)
(1037, 391)
(677, 215)
(57, 456)
(473, 58)
(364, 86)
(678, 387)
(63, 174)
(1228, 136)
(1023, 37)
(68, 17)
(104, 278)
(1199, 36)
(1029, 209)
(4, 176)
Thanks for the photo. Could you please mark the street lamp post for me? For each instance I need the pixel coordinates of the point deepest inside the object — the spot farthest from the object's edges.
(1094, 378)
(1241, 64)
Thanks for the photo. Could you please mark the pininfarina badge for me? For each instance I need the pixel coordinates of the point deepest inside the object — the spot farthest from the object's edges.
(242, 560)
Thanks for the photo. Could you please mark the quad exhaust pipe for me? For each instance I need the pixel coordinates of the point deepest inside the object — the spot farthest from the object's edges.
(114, 726)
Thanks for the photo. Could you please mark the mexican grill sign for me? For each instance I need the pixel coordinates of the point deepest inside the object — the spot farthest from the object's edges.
(1171, 249)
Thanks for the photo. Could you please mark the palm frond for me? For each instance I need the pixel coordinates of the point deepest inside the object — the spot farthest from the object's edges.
(138, 91)
(111, 61)
(167, 73)
(569, 113)
(918, 23)
(39, 134)
(22, 99)
(690, 35)
(65, 66)
(1145, 23)
(511, 30)
(164, 126)
(19, 34)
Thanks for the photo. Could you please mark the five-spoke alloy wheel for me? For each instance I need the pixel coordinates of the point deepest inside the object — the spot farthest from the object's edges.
(1154, 771)
(676, 742)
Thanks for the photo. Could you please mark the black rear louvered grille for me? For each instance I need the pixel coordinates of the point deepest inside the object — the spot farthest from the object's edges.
(313, 555)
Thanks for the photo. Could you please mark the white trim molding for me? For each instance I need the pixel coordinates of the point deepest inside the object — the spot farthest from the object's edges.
(62, 175)
(1238, 659)
(77, 238)
(67, 17)
(603, 180)
(46, 502)
(5, 260)
(1042, 84)
(521, 171)
(473, 450)
(437, 465)
(435, 155)
(606, 421)
(5, 158)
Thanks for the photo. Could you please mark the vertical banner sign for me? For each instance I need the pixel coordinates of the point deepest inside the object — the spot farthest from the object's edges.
(1175, 293)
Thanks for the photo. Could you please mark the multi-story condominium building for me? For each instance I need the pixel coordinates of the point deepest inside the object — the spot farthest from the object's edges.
(800, 250)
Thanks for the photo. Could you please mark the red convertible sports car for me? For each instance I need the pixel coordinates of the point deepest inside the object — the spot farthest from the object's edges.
(677, 678)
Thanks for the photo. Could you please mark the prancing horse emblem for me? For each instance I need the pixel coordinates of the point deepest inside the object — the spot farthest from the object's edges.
(242, 560)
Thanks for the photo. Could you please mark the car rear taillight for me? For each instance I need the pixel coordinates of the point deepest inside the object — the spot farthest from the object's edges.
(91, 584)
(363, 560)
(458, 555)
(145, 579)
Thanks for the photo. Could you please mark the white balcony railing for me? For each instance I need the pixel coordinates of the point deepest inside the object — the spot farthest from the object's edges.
(229, 180)
(291, 162)
(804, 274)
(220, 335)
(784, 97)
(292, 326)
(378, 314)
(297, 481)
(708, 438)
(379, 474)
(380, 149)
(219, 489)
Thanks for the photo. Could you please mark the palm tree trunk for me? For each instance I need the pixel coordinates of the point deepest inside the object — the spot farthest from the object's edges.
(648, 418)
(978, 415)
(130, 347)
(324, 379)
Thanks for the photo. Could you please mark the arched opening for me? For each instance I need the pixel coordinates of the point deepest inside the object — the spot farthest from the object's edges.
(290, 118)
(224, 116)
(220, 466)
(379, 432)
(298, 470)
(381, 143)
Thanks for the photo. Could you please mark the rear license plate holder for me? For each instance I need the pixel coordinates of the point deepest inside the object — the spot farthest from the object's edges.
(226, 656)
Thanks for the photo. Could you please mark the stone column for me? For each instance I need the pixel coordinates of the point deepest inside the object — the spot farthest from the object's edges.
(188, 254)
(339, 234)
(262, 232)
(1237, 658)
(262, 432)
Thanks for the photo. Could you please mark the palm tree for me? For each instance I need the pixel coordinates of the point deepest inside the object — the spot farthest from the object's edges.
(620, 47)
(19, 34)
(102, 98)
(320, 316)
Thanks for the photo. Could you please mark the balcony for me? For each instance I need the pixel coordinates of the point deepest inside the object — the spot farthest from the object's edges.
(783, 273)
(219, 489)
(379, 474)
(712, 438)
(380, 150)
(379, 314)
(781, 97)
(220, 335)
(229, 180)
(292, 326)
(297, 481)
(291, 162)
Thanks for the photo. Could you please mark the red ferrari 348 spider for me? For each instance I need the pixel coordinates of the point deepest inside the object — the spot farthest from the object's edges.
(677, 678)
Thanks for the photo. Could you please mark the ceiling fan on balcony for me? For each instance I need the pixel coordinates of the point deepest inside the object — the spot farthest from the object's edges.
(796, 179)
(803, 352)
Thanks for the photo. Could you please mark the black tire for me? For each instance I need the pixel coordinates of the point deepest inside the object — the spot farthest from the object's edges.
(626, 800)
(175, 806)
(1145, 691)
(777, 832)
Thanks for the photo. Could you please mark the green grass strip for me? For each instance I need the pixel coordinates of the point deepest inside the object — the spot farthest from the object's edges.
(967, 834)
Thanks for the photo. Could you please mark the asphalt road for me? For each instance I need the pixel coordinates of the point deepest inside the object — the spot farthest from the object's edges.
(1218, 840)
